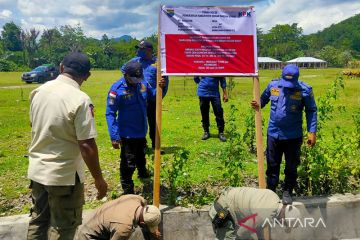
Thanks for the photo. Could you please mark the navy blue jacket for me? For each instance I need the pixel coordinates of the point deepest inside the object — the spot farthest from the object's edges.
(149, 70)
(286, 111)
(209, 86)
(126, 109)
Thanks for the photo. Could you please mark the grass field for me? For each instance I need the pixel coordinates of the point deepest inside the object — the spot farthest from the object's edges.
(181, 128)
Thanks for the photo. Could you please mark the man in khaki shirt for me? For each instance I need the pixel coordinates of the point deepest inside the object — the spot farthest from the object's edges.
(117, 220)
(63, 138)
(240, 213)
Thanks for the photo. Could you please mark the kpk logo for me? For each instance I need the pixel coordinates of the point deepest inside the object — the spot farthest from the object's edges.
(244, 14)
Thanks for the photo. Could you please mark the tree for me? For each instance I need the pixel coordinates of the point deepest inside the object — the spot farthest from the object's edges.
(1, 47)
(11, 37)
(73, 37)
(331, 55)
(108, 49)
(282, 42)
(260, 41)
(345, 57)
(51, 47)
(28, 39)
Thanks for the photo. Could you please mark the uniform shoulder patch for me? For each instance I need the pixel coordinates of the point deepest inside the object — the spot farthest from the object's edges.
(112, 94)
(112, 97)
(275, 91)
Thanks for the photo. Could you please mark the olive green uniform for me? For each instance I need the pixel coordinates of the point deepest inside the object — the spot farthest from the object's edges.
(115, 220)
(243, 202)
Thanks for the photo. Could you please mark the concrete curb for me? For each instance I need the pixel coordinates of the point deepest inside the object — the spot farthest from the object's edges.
(340, 214)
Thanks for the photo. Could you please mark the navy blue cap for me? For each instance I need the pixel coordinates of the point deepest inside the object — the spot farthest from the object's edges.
(134, 70)
(76, 64)
(290, 76)
(145, 44)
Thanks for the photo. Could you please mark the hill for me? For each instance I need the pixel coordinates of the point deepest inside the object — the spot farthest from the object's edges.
(344, 35)
(126, 38)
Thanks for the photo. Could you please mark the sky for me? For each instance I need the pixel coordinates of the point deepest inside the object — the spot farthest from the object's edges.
(138, 18)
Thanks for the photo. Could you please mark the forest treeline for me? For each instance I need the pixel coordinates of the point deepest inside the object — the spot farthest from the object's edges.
(22, 49)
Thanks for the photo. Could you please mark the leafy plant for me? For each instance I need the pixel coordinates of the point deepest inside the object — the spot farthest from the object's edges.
(249, 134)
(176, 172)
(235, 152)
(230, 85)
(330, 166)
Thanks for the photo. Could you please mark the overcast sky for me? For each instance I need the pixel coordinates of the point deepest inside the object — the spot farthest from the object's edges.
(138, 18)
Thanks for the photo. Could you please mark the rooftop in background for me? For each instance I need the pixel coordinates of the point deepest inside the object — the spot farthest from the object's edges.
(267, 60)
(306, 60)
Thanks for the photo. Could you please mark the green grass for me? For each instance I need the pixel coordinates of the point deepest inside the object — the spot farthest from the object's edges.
(181, 128)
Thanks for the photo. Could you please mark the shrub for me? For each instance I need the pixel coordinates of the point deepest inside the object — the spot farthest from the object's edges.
(7, 66)
(235, 152)
(176, 172)
(331, 165)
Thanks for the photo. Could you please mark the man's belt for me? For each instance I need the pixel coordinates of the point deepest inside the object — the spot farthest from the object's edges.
(222, 215)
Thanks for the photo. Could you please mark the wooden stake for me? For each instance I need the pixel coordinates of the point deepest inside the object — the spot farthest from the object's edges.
(259, 138)
(259, 146)
(159, 93)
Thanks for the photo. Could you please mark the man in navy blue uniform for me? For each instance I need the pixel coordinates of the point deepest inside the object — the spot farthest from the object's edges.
(126, 118)
(208, 91)
(145, 56)
(289, 97)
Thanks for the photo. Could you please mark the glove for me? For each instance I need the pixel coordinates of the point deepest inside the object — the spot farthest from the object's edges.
(311, 139)
(255, 105)
(116, 144)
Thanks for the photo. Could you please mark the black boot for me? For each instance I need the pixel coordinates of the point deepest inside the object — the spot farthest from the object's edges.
(222, 137)
(286, 198)
(205, 136)
(128, 187)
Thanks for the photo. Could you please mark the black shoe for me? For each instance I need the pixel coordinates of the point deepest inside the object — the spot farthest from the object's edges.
(222, 137)
(205, 136)
(286, 198)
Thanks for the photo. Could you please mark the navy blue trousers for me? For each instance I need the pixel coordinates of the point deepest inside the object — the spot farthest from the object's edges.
(274, 152)
(218, 111)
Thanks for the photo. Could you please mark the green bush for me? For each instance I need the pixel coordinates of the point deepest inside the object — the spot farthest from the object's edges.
(177, 174)
(331, 166)
(235, 153)
(7, 66)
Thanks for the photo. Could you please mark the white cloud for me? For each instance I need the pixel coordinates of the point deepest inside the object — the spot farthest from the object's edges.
(80, 10)
(104, 10)
(74, 22)
(25, 25)
(311, 15)
(30, 8)
(36, 19)
(5, 13)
